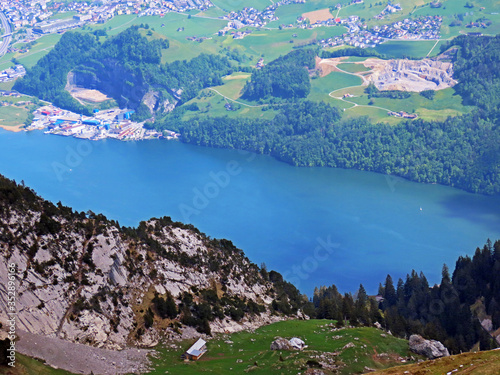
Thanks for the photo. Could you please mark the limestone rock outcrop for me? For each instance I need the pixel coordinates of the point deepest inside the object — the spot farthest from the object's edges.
(432, 349)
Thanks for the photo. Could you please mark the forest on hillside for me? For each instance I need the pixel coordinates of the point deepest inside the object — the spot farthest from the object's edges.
(462, 151)
(125, 67)
(286, 77)
(450, 312)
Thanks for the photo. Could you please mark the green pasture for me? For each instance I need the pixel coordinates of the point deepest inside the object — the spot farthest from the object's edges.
(270, 44)
(7, 85)
(41, 48)
(445, 103)
(63, 15)
(401, 49)
(229, 5)
(250, 351)
(352, 68)
(12, 115)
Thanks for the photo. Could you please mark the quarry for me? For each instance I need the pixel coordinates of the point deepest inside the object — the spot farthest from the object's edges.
(397, 74)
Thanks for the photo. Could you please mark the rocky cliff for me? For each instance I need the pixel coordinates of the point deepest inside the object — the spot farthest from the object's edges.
(83, 278)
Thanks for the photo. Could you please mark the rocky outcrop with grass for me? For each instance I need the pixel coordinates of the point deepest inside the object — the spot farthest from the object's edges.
(85, 279)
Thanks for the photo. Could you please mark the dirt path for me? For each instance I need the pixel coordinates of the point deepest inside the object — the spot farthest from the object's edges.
(123, 24)
(432, 49)
(82, 359)
(364, 83)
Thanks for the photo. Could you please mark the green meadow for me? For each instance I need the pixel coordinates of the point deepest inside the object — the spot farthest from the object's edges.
(228, 5)
(250, 351)
(323, 86)
(353, 68)
(12, 115)
(409, 48)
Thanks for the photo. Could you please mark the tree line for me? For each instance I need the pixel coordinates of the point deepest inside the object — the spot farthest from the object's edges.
(286, 77)
(124, 67)
(449, 312)
(461, 151)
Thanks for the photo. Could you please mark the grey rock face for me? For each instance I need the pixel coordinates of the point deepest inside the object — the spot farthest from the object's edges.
(430, 348)
(281, 344)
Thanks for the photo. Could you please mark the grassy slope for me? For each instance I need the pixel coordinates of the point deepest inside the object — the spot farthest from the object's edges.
(30, 366)
(482, 363)
(252, 348)
(243, 353)
(212, 104)
(12, 115)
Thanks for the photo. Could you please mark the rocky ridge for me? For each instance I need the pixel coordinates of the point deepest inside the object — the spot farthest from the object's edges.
(84, 279)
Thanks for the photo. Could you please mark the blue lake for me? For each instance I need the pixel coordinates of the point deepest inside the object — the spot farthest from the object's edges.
(317, 226)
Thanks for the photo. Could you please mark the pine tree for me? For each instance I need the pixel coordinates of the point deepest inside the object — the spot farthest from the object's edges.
(445, 274)
(389, 292)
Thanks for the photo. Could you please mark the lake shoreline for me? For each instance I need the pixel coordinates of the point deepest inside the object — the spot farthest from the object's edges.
(14, 129)
(316, 226)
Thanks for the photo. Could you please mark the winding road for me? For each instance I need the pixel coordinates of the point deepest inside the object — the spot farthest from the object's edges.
(364, 83)
(6, 39)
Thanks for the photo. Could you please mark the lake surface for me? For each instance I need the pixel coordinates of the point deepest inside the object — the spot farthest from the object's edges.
(317, 226)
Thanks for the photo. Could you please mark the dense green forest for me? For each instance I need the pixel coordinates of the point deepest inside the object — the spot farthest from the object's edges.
(448, 312)
(461, 151)
(477, 68)
(125, 67)
(47, 78)
(286, 77)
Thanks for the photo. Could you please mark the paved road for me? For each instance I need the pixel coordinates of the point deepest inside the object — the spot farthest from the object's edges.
(6, 41)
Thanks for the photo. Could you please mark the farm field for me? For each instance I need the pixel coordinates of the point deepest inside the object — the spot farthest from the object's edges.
(318, 15)
(456, 10)
(270, 44)
(29, 59)
(247, 351)
(288, 14)
(414, 49)
(229, 5)
(11, 116)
